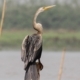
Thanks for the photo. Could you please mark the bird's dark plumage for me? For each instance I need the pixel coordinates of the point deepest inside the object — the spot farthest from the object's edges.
(31, 49)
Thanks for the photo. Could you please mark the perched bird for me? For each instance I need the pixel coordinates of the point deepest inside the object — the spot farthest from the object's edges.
(31, 49)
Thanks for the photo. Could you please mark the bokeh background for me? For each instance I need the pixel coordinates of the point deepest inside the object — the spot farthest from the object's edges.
(61, 24)
(61, 30)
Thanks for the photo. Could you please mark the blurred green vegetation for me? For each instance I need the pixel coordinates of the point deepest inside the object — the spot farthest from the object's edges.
(65, 16)
(52, 40)
(61, 24)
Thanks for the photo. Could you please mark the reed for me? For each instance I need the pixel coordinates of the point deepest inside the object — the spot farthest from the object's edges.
(2, 19)
(61, 65)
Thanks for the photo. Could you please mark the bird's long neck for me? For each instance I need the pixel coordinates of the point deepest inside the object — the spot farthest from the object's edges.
(35, 17)
(35, 23)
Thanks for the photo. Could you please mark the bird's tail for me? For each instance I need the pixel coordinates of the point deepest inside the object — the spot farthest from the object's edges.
(26, 65)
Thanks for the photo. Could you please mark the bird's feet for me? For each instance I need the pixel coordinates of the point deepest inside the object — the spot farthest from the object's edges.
(39, 65)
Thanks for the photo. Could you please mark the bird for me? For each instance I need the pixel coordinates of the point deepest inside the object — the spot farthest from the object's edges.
(32, 45)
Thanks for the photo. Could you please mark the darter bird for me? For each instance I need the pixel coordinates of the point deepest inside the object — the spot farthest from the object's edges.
(31, 49)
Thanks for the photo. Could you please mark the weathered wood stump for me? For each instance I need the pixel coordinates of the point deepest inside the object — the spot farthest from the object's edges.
(33, 71)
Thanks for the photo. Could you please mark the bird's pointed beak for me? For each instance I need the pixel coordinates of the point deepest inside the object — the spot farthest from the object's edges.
(48, 7)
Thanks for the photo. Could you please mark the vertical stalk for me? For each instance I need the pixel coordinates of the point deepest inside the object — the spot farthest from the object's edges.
(61, 65)
(2, 18)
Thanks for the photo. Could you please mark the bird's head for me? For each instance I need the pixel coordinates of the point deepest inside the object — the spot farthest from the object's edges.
(38, 26)
(41, 9)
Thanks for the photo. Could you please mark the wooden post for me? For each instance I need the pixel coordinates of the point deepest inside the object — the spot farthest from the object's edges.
(61, 65)
(32, 72)
(2, 19)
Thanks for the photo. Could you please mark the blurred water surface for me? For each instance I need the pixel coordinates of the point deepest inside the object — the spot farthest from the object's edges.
(11, 66)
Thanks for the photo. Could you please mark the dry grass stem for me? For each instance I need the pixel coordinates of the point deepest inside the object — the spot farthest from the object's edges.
(2, 19)
(61, 65)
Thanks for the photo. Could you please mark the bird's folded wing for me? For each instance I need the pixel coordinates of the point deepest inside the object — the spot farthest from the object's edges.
(24, 48)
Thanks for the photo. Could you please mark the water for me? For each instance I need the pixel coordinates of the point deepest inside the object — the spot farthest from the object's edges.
(11, 66)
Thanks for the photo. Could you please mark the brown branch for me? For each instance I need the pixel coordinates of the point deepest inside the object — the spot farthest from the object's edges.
(2, 19)
(61, 65)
